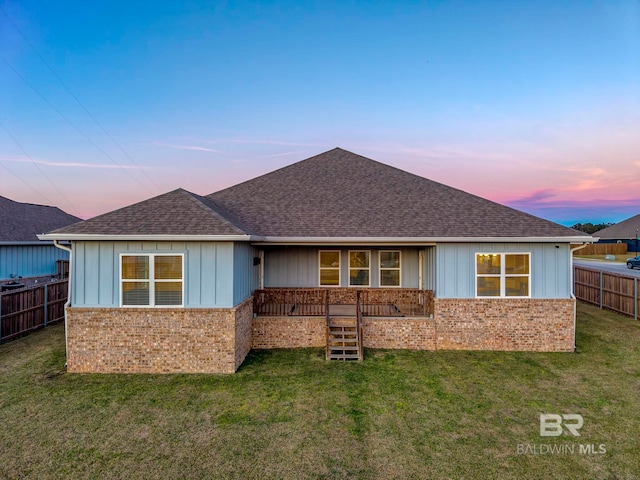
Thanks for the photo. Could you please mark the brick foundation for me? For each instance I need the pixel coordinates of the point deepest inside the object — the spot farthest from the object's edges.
(139, 340)
(399, 333)
(538, 325)
(543, 325)
(288, 332)
(154, 340)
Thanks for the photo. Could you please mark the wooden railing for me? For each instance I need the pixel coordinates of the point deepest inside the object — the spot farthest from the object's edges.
(607, 290)
(290, 301)
(360, 327)
(397, 302)
(380, 302)
(22, 311)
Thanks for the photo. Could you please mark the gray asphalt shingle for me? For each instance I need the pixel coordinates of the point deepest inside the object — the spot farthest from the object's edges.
(175, 213)
(342, 194)
(333, 194)
(21, 222)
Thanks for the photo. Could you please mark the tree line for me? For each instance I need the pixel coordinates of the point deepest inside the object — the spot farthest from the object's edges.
(590, 227)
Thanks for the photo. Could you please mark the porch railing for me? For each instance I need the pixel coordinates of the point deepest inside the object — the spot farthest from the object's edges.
(379, 302)
(396, 302)
(290, 301)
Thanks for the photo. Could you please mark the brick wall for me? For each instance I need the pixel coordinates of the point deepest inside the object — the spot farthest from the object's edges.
(289, 332)
(399, 332)
(154, 340)
(244, 318)
(542, 325)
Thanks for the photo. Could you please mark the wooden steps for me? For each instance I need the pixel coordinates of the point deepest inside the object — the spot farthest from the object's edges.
(343, 339)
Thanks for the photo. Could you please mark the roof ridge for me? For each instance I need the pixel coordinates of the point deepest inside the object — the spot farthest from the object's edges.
(212, 207)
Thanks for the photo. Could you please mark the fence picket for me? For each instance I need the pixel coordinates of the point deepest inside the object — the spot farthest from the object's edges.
(25, 310)
(607, 290)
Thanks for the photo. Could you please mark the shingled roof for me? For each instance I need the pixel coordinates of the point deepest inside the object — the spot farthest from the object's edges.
(337, 194)
(21, 222)
(175, 213)
(625, 230)
(342, 194)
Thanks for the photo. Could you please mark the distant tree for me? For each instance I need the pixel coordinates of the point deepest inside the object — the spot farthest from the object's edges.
(590, 227)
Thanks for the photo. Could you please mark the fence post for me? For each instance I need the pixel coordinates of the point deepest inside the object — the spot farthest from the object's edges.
(0, 317)
(635, 298)
(46, 303)
(600, 288)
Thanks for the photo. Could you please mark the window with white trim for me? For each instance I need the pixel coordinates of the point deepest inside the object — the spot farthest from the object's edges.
(151, 280)
(359, 268)
(389, 268)
(329, 268)
(503, 274)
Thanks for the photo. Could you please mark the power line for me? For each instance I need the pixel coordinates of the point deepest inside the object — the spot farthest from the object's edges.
(39, 169)
(73, 125)
(48, 200)
(104, 130)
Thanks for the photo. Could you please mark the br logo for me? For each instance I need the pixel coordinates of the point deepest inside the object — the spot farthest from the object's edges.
(551, 424)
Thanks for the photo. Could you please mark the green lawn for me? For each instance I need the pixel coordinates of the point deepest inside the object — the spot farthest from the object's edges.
(291, 414)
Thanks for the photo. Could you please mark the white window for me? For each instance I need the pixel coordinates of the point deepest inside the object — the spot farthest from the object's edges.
(503, 275)
(389, 268)
(151, 280)
(359, 268)
(329, 268)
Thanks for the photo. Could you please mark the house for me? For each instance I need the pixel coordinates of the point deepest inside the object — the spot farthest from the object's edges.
(627, 231)
(337, 250)
(21, 253)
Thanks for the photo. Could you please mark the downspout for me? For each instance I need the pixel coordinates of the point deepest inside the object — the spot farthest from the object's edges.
(575, 306)
(68, 302)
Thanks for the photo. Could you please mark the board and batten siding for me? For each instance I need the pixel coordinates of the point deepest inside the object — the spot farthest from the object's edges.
(299, 266)
(455, 268)
(246, 274)
(208, 276)
(29, 260)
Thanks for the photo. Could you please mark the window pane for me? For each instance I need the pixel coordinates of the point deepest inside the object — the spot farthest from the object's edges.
(517, 286)
(359, 260)
(389, 259)
(135, 267)
(358, 277)
(330, 277)
(168, 267)
(168, 293)
(517, 263)
(390, 278)
(135, 293)
(488, 264)
(488, 286)
(329, 259)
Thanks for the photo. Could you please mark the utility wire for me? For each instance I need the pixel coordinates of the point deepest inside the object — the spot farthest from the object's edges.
(47, 199)
(73, 125)
(104, 130)
(60, 192)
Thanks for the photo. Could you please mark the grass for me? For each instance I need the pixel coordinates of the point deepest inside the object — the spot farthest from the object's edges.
(291, 414)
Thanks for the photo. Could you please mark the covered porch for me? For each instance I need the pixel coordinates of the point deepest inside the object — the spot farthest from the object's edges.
(328, 302)
(341, 318)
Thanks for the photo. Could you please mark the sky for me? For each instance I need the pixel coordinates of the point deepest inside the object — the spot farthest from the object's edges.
(533, 104)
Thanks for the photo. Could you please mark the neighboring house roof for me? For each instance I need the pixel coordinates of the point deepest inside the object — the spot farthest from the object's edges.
(625, 230)
(21, 222)
(175, 213)
(337, 194)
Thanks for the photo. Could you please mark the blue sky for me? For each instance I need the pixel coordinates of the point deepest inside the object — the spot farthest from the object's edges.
(531, 104)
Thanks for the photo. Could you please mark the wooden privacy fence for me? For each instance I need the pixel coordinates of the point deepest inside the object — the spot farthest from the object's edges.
(25, 310)
(607, 290)
(603, 249)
